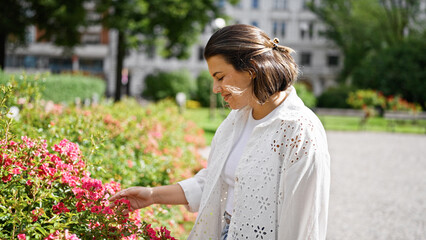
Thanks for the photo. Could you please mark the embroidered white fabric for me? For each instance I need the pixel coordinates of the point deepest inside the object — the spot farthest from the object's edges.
(282, 180)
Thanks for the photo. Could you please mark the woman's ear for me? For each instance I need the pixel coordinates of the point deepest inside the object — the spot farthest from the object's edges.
(252, 74)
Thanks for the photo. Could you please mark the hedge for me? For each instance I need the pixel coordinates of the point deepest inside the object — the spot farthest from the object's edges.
(61, 88)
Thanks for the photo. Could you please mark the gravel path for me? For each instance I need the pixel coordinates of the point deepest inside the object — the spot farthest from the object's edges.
(378, 188)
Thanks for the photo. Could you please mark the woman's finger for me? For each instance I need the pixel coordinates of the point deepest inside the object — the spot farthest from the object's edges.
(117, 196)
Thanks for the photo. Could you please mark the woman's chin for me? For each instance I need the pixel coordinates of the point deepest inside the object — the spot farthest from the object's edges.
(236, 106)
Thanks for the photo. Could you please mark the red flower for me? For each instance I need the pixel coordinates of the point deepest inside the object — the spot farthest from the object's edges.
(59, 208)
(80, 207)
(96, 209)
(6, 178)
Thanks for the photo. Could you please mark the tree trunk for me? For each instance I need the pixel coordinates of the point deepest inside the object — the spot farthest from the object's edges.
(121, 50)
(3, 37)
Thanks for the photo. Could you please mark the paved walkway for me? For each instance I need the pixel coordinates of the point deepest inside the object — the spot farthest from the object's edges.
(378, 189)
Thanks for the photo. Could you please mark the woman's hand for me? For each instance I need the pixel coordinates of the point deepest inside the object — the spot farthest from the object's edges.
(139, 197)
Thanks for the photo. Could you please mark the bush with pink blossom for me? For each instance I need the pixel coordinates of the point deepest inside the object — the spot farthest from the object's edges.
(50, 195)
(121, 142)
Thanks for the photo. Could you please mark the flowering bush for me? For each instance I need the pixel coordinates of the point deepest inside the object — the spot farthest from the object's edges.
(50, 195)
(399, 104)
(368, 100)
(122, 142)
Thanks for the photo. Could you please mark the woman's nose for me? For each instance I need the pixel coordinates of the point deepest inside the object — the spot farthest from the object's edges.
(216, 87)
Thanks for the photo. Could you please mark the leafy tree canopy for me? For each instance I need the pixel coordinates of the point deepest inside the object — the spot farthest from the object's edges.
(59, 21)
(173, 24)
(363, 27)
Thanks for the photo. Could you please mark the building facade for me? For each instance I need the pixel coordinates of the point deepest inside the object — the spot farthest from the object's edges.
(92, 56)
(288, 20)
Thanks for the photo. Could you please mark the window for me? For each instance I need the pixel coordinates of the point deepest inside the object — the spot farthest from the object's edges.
(275, 28)
(283, 28)
(221, 3)
(311, 30)
(255, 4)
(200, 53)
(306, 30)
(305, 59)
(305, 4)
(91, 65)
(58, 65)
(279, 28)
(280, 4)
(303, 29)
(332, 60)
(14, 61)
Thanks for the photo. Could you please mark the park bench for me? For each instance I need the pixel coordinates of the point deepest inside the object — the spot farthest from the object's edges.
(340, 112)
(395, 117)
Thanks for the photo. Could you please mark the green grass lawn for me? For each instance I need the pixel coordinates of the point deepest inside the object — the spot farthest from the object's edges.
(202, 118)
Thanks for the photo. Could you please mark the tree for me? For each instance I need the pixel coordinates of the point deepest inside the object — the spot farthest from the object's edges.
(161, 85)
(399, 70)
(59, 21)
(173, 24)
(363, 27)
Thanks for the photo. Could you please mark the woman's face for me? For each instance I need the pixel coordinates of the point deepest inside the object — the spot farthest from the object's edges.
(234, 86)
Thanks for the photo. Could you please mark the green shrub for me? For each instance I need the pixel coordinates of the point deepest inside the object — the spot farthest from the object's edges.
(121, 142)
(204, 89)
(59, 88)
(396, 70)
(335, 97)
(162, 85)
(307, 96)
(66, 88)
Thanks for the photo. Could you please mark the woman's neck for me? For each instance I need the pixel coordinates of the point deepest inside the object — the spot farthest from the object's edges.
(261, 111)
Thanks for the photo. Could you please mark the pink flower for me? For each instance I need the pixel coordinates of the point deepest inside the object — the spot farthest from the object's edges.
(108, 211)
(6, 178)
(96, 209)
(69, 179)
(16, 171)
(22, 236)
(29, 182)
(59, 208)
(70, 236)
(78, 192)
(80, 207)
(36, 214)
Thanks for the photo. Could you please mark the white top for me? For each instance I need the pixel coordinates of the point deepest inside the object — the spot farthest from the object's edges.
(282, 179)
(228, 173)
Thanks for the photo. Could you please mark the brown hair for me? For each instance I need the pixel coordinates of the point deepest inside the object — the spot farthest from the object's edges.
(247, 48)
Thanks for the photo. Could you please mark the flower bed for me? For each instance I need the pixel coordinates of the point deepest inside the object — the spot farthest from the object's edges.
(371, 100)
(50, 195)
(121, 142)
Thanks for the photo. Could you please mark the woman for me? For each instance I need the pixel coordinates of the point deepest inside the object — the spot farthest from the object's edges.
(268, 172)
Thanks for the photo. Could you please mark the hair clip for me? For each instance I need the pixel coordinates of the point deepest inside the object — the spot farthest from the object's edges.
(275, 43)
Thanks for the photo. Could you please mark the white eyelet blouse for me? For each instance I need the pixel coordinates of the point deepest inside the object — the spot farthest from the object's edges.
(282, 180)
